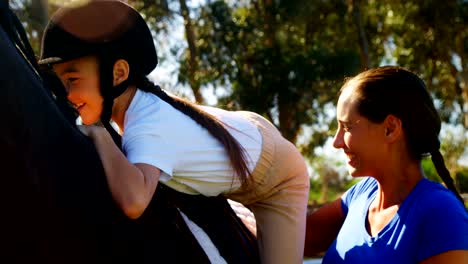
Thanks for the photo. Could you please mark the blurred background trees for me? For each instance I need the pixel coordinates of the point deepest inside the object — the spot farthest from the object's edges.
(286, 60)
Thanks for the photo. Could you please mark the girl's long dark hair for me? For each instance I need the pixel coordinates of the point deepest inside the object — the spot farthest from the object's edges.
(215, 127)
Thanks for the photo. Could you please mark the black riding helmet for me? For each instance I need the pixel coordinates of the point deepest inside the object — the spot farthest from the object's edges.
(96, 27)
(111, 30)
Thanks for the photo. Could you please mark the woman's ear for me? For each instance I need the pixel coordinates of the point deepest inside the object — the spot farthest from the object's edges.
(121, 71)
(393, 128)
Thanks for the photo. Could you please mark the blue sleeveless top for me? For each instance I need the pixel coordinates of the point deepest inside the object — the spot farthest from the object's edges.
(429, 221)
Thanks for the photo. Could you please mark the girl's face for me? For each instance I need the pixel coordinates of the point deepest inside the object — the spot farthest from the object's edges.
(360, 139)
(81, 80)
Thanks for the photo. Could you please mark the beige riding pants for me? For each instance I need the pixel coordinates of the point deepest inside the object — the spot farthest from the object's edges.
(277, 196)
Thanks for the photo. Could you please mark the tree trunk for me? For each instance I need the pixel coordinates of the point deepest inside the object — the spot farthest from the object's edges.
(461, 77)
(462, 81)
(286, 122)
(39, 16)
(355, 6)
(193, 56)
(286, 109)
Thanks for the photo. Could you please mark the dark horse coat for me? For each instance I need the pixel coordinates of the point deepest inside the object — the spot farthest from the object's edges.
(55, 203)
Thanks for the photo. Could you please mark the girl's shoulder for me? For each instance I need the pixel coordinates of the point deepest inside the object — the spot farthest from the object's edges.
(148, 107)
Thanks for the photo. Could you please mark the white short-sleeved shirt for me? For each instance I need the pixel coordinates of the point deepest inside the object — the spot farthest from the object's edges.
(190, 159)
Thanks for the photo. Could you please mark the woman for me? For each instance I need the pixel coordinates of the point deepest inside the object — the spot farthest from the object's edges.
(102, 52)
(387, 123)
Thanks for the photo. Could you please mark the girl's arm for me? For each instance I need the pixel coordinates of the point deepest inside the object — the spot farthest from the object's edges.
(132, 185)
(322, 227)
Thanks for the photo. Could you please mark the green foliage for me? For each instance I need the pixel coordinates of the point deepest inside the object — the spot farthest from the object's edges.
(315, 195)
(429, 170)
(453, 144)
(334, 190)
(329, 181)
(278, 65)
(461, 179)
(427, 36)
(34, 16)
(156, 13)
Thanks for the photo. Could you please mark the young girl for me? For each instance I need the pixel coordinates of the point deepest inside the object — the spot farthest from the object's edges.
(102, 52)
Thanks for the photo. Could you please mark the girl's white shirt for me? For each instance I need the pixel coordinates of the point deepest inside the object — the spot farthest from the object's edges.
(190, 159)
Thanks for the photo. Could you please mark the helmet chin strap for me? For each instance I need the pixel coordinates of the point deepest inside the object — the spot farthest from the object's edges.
(118, 90)
(109, 93)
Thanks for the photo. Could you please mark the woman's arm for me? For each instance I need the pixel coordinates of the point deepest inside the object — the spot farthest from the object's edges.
(449, 257)
(322, 227)
(132, 185)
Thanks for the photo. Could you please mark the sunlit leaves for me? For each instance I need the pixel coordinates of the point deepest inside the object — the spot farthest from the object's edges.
(273, 62)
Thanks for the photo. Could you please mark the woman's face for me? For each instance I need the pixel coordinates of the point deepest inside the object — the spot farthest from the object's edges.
(360, 139)
(81, 80)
